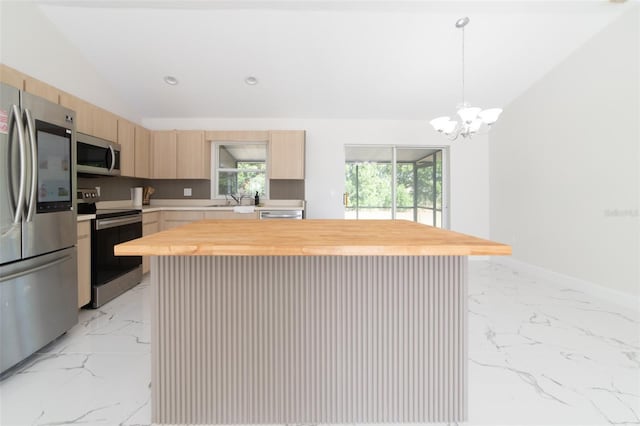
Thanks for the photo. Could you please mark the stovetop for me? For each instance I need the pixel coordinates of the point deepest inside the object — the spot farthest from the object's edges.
(90, 208)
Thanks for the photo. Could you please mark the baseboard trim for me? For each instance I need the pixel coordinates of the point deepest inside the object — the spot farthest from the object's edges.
(620, 298)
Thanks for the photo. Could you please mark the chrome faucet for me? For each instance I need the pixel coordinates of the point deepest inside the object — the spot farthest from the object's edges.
(238, 198)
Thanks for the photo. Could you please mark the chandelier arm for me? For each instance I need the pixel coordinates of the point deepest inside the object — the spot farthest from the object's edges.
(454, 135)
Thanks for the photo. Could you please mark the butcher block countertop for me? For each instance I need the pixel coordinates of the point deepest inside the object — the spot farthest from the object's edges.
(317, 237)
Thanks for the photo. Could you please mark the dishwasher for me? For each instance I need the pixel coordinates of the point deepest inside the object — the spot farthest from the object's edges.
(281, 214)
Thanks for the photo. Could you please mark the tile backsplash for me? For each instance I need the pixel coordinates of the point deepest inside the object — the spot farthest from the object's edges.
(111, 188)
(117, 188)
(173, 189)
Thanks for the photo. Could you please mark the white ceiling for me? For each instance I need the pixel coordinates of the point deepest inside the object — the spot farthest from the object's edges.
(323, 59)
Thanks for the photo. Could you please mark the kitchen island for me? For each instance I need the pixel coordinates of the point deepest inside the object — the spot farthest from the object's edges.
(312, 321)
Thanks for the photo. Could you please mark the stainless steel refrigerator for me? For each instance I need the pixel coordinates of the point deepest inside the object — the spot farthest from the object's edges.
(38, 263)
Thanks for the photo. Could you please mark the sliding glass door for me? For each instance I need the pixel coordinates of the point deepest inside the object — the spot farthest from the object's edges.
(391, 182)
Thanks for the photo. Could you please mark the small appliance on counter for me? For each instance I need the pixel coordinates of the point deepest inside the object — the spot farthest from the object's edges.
(136, 196)
(110, 275)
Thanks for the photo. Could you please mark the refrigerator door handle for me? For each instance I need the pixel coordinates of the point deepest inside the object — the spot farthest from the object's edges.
(32, 270)
(15, 122)
(31, 202)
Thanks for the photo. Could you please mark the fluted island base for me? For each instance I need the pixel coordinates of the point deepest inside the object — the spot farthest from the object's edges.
(309, 339)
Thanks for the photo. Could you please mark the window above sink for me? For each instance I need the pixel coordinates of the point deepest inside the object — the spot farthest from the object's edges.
(240, 168)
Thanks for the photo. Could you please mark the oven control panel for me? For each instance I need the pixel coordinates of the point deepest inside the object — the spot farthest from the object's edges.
(89, 195)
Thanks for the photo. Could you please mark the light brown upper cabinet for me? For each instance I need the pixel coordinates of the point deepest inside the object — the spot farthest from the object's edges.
(12, 77)
(163, 154)
(193, 155)
(286, 154)
(90, 119)
(84, 112)
(29, 84)
(126, 139)
(43, 90)
(237, 135)
(142, 155)
(105, 124)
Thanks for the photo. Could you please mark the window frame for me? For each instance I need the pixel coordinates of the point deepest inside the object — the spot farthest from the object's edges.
(445, 176)
(215, 169)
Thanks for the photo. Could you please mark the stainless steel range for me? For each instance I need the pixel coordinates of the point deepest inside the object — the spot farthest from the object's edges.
(111, 275)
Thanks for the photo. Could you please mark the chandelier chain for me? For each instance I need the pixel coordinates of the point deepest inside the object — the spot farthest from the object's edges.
(463, 100)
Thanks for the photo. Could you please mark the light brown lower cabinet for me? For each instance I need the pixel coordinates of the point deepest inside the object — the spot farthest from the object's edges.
(172, 219)
(161, 221)
(150, 225)
(222, 214)
(84, 263)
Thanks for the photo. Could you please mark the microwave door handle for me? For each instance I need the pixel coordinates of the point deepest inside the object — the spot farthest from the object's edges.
(113, 158)
(34, 165)
(15, 122)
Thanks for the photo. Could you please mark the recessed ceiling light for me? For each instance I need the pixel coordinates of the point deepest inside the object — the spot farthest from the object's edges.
(171, 80)
(251, 80)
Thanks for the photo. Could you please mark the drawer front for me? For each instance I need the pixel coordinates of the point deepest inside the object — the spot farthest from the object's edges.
(150, 217)
(150, 228)
(229, 215)
(84, 229)
(171, 219)
(183, 216)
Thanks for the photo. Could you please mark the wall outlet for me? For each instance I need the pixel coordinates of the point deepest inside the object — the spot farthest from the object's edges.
(187, 192)
(98, 190)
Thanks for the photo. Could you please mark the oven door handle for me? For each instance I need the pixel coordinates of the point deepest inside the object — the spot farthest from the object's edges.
(119, 221)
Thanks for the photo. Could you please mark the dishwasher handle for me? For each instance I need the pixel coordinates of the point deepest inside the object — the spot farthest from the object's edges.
(281, 214)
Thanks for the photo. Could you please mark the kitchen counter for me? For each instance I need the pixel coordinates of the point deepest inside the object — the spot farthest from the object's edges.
(309, 322)
(309, 238)
(194, 205)
(149, 209)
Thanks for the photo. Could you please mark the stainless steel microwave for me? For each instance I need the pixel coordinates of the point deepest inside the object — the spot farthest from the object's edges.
(97, 156)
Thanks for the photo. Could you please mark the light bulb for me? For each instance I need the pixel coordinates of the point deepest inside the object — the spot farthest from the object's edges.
(440, 123)
(475, 125)
(490, 115)
(468, 114)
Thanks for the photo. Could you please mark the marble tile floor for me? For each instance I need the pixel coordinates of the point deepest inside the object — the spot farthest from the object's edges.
(540, 354)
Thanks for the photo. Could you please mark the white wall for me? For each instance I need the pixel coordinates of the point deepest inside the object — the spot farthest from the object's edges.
(564, 164)
(324, 183)
(47, 55)
(32, 45)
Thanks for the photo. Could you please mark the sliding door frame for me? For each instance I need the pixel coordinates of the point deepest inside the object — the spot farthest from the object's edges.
(446, 176)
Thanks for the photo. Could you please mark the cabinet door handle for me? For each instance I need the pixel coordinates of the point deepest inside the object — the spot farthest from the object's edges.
(345, 199)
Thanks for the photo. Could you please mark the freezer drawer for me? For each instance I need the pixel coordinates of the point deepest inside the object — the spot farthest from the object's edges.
(38, 301)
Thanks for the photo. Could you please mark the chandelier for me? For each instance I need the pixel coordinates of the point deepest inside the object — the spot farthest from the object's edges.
(471, 118)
